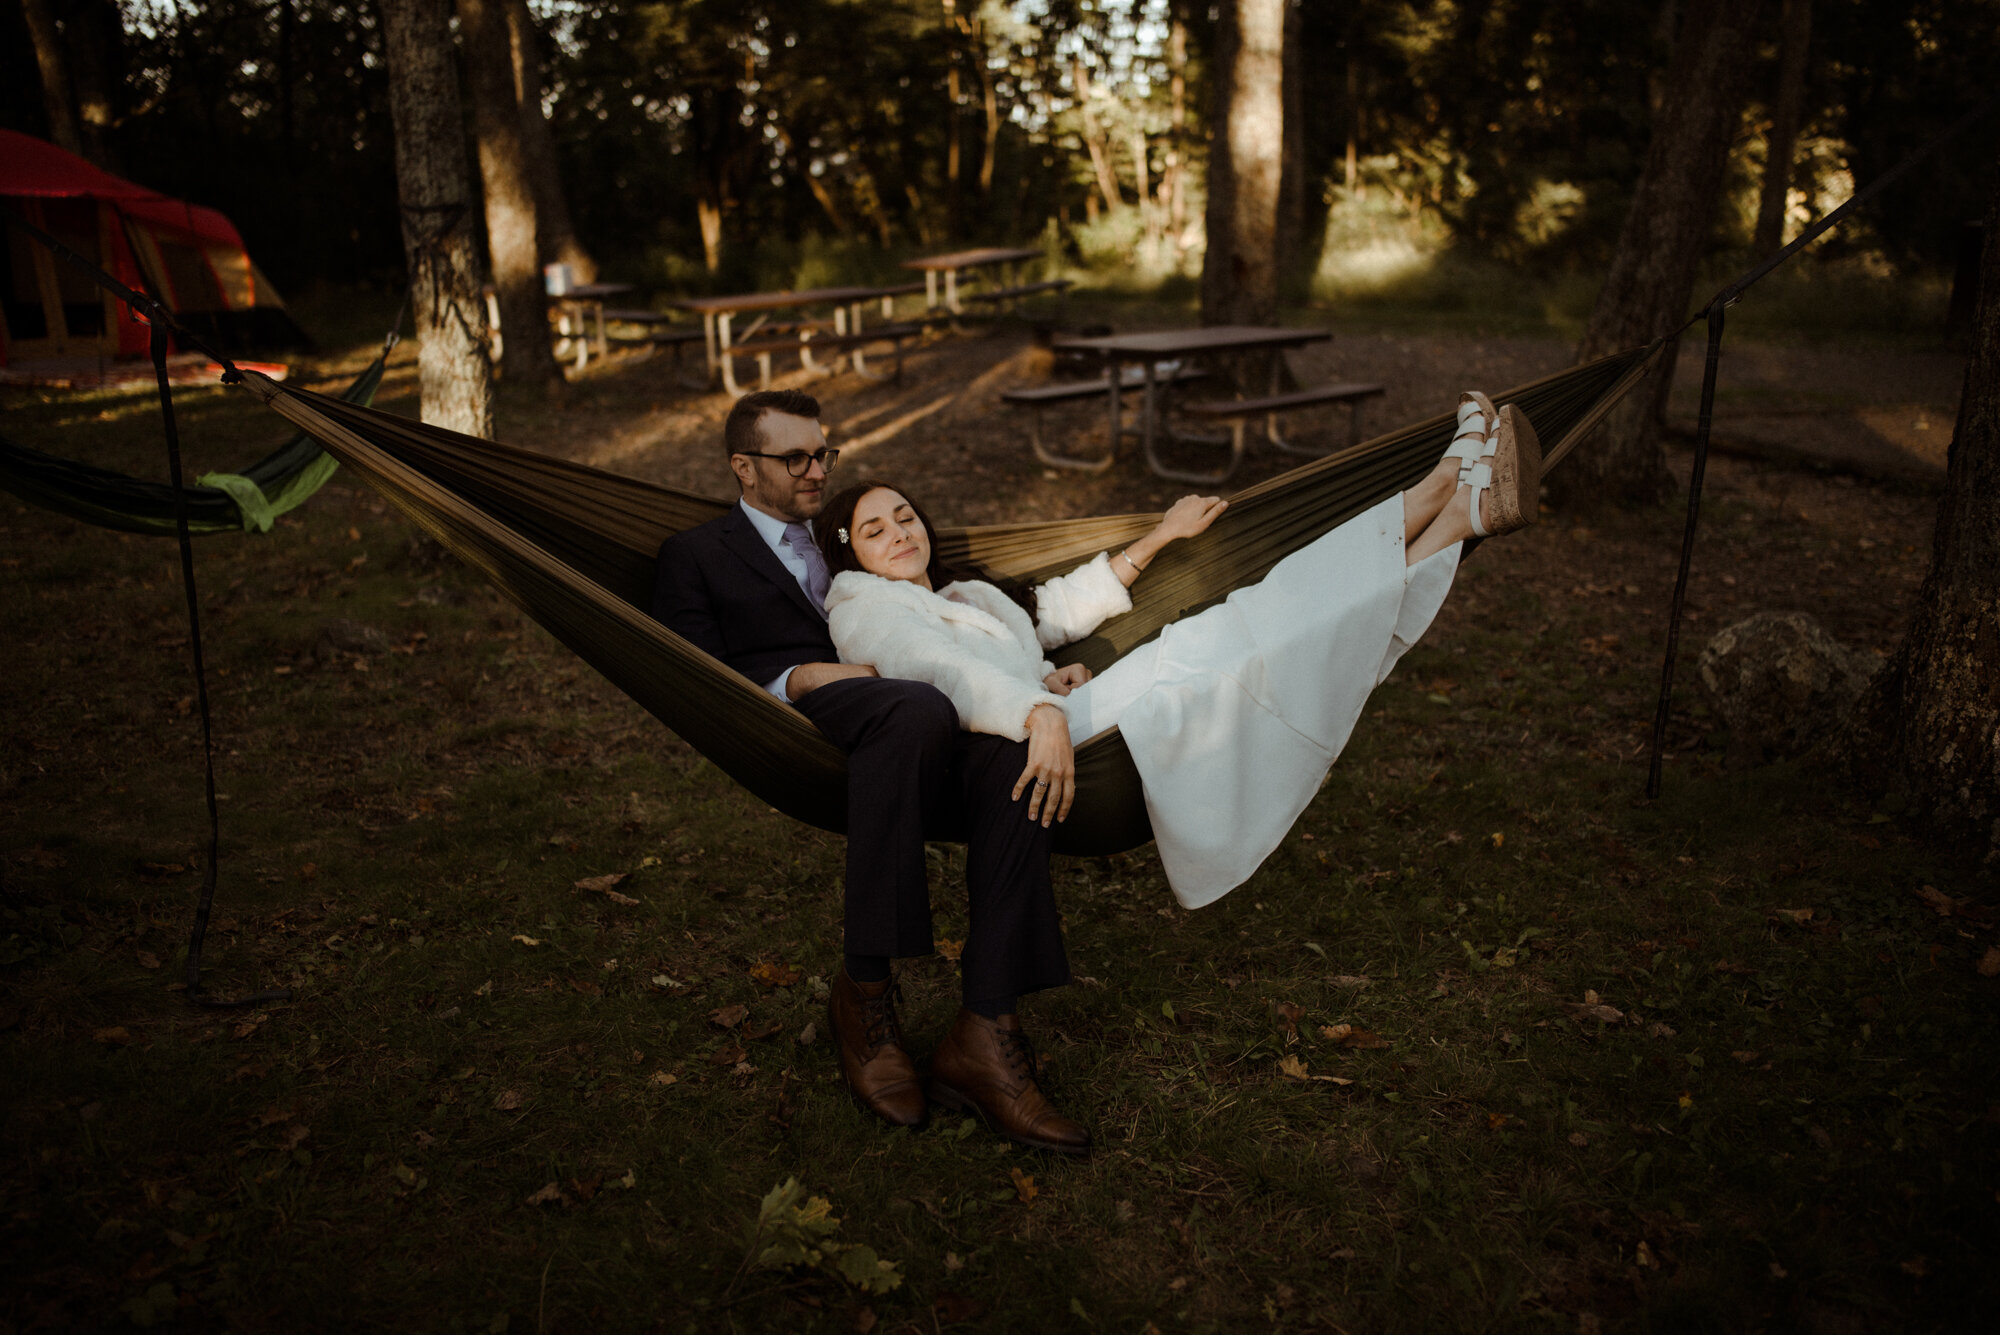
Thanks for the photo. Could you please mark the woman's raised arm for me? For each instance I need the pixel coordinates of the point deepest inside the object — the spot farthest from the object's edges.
(1190, 515)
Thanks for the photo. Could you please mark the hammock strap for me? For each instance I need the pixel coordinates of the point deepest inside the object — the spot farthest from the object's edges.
(1712, 313)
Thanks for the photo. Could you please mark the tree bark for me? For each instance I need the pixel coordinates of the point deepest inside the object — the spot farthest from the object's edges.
(90, 30)
(58, 98)
(990, 99)
(1239, 272)
(1929, 725)
(1291, 244)
(527, 354)
(554, 229)
(1094, 141)
(1652, 273)
(1788, 111)
(434, 188)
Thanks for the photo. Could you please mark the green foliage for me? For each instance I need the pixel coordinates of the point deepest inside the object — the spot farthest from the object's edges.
(796, 1231)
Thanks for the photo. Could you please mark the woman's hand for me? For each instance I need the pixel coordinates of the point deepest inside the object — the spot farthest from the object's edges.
(1050, 778)
(1190, 515)
(1066, 679)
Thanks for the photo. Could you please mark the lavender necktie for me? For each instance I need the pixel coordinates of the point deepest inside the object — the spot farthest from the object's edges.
(817, 580)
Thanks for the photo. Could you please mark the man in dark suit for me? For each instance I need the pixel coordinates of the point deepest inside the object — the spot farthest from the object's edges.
(749, 589)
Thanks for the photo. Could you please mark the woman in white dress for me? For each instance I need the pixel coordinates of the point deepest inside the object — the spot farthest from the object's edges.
(1232, 716)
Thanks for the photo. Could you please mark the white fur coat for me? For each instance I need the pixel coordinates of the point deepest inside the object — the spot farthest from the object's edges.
(969, 639)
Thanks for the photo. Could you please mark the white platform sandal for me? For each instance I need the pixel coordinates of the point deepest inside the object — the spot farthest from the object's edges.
(1475, 428)
(1509, 472)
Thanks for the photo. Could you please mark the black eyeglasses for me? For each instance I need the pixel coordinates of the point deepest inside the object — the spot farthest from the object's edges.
(798, 463)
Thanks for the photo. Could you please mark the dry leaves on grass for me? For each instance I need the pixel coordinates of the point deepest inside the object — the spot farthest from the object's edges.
(526, 940)
(507, 1100)
(665, 1078)
(728, 1017)
(1350, 1037)
(606, 886)
(113, 1036)
(729, 1055)
(550, 1195)
(1989, 963)
(1592, 1008)
(1024, 1186)
(770, 974)
(951, 950)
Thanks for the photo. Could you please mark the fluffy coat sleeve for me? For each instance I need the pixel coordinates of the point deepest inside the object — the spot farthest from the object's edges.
(989, 668)
(1069, 607)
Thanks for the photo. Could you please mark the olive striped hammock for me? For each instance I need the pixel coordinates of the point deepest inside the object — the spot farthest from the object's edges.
(575, 548)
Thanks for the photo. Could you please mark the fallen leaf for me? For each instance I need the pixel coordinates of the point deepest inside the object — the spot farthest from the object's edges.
(551, 1194)
(1289, 1016)
(148, 960)
(1800, 916)
(275, 1114)
(1494, 1121)
(1292, 1067)
(245, 1028)
(527, 940)
(585, 1188)
(598, 885)
(757, 1032)
(1499, 839)
(1351, 980)
(1659, 1029)
(617, 898)
(116, 1036)
(1336, 1032)
(727, 1056)
(664, 1078)
(1592, 1009)
(1938, 900)
(728, 1017)
(809, 1033)
(1745, 1056)
(743, 1068)
(1989, 963)
(1643, 1255)
(1024, 1186)
(507, 1100)
(951, 950)
(1362, 1038)
(952, 1262)
(864, 1321)
(771, 974)
(1334, 1079)
(485, 989)
(1916, 1267)
(1578, 1139)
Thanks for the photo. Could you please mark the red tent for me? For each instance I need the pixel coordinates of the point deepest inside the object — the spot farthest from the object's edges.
(190, 258)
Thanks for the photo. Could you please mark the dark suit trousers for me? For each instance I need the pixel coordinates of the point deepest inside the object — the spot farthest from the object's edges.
(913, 774)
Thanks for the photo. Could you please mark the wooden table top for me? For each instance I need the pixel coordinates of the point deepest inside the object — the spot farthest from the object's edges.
(592, 291)
(1180, 342)
(972, 259)
(770, 301)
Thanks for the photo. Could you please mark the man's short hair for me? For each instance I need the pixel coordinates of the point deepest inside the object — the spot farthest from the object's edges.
(742, 435)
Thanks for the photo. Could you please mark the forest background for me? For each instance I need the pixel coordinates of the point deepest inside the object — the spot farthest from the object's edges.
(722, 145)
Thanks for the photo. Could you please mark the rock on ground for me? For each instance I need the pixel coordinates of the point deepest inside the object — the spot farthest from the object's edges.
(1779, 683)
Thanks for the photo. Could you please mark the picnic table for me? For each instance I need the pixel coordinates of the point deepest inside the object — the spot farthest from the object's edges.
(956, 262)
(1161, 357)
(577, 308)
(718, 315)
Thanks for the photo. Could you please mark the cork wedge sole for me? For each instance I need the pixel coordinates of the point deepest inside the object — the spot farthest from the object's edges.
(1513, 493)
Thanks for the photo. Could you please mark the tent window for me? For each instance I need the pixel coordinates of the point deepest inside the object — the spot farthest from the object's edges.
(232, 272)
(23, 297)
(74, 223)
(189, 276)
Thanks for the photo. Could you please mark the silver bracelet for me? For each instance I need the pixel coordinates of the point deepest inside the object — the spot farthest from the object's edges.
(1137, 569)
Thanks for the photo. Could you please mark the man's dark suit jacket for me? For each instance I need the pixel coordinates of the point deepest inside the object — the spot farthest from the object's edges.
(721, 588)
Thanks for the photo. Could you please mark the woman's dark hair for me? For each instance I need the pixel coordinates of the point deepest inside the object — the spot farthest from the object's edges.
(837, 516)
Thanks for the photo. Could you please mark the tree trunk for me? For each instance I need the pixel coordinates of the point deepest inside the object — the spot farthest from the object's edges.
(91, 30)
(527, 355)
(554, 229)
(1652, 273)
(1787, 112)
(1093, 140)
(1292, 159)
(990, 97)
(1929, 725)
(435, 191)
(1173, 180)
(1239, 272)
(58, 100)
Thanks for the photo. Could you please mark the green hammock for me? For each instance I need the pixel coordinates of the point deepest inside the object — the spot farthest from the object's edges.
(245, 502)
(575, 548)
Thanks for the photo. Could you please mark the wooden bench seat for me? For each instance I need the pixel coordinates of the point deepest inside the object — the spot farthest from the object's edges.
(809, 339)
(1238, 411)
(1001, 294)
(1039, 397)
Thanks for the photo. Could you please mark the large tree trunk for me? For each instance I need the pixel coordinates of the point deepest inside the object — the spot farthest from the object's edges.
(1788, 110)
(1929, 725)
(92, 30)
(1173, 180)
(1292, 160)
(527, 355)
(58, 99)
(554, 229)
(1094, 140)
(1652, 274)
(439, 206)
(1239, 272)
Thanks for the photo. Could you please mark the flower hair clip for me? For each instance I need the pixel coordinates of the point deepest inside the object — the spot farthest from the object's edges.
(843, 537)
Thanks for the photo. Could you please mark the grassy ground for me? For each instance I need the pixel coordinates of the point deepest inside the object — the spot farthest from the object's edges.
(1491, 1043)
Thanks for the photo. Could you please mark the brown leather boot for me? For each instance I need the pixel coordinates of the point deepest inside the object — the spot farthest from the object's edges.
(869, 1038)
(988, 1067)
